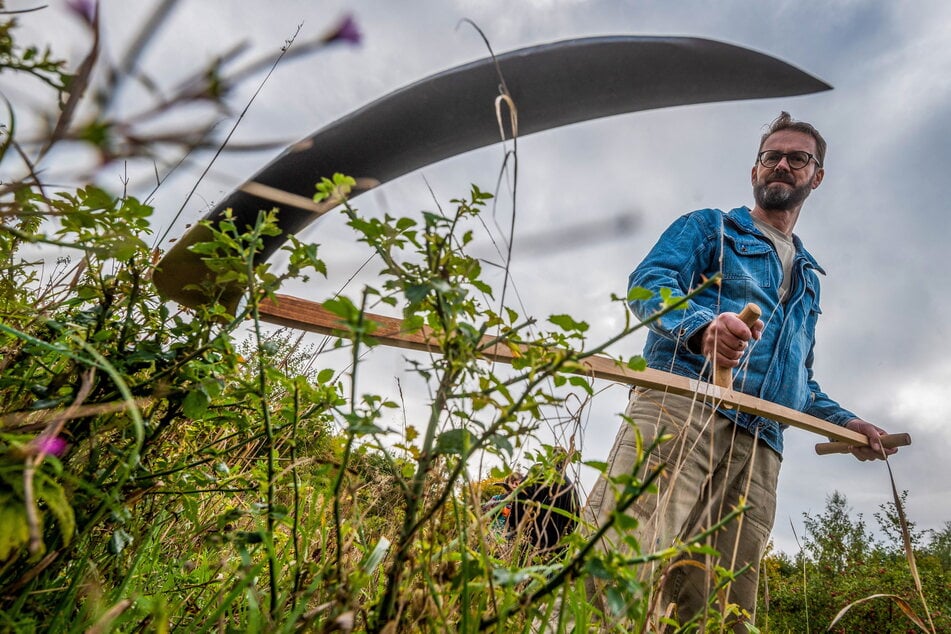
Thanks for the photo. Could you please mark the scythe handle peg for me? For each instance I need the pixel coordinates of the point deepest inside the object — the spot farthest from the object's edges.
(890, 441)
(723, 376)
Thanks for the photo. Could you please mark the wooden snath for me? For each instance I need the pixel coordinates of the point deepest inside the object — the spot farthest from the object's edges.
(302, 314)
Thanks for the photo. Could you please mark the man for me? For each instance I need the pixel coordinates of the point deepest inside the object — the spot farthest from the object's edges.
(719, 458)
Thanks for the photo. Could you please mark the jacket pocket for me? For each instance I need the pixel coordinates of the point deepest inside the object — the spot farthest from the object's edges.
(749, 268)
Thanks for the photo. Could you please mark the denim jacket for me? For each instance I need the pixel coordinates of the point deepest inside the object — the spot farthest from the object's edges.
(776, 368)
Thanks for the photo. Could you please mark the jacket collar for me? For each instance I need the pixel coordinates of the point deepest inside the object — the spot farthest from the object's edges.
(743, 220)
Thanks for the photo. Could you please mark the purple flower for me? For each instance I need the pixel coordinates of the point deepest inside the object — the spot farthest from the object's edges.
(346, 31)
(85, 9)
(51, 445)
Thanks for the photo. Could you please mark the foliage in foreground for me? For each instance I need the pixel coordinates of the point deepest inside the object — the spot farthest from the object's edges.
(157, 474)
(145, 455)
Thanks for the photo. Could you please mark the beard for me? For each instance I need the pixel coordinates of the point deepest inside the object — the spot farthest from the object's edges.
(772, 197)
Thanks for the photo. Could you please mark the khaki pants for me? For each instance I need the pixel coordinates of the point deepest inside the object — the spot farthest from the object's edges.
(711, 466)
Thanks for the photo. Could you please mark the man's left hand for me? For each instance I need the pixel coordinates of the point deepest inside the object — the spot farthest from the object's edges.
(874, 451)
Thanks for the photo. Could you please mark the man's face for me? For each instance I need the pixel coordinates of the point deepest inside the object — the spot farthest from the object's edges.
(781, 188)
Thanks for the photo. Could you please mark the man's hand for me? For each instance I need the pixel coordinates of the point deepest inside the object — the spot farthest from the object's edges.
(874, 451)
(726, 337)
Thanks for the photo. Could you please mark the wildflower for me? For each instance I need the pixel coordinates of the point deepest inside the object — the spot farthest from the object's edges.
(346, 31)
(50, 445)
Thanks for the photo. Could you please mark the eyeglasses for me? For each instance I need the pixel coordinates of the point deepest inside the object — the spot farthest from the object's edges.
(796, 160)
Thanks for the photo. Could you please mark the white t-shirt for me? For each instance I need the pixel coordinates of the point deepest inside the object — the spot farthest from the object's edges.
(786, 250)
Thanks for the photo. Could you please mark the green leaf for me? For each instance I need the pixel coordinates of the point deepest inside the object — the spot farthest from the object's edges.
(339, 187)
(416, 293)
(568, 324)
(639, 294)
(582, 382)
(616, 601)
(597, 465)
(369, 228)
(432, 219)
(96, 199)
(373, 560)
(14, 530)
(483, 287)
(501, 443)
(363, 428)
(625, 522)
(595, 567)
(455, 441)
(248, 537)
(56, 500)
(413, 323)
(124, 249)
(325, 375)
(343, 308)
(637, 363)
(671, 299)
(196, 404)
(212, 386)
(405, 223)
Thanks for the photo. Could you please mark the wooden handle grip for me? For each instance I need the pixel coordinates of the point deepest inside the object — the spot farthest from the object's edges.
(889, 441)
(724, 376)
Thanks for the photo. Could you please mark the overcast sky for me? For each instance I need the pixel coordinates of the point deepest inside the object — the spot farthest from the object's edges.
(879, 223)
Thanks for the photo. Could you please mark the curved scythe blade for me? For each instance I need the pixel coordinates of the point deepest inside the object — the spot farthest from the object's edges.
(454, 111)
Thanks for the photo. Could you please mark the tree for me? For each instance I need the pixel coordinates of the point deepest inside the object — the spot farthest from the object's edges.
(940, 547)
(835, 540)
(839, 566)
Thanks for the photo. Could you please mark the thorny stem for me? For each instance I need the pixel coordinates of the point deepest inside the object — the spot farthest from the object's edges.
(295, 485)
(254, 300)
(358, 332)
(413, 501)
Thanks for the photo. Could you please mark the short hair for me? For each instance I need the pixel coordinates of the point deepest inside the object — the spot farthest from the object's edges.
(785, 122)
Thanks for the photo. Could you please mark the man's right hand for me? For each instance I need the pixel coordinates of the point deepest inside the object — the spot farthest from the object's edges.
(724, 339)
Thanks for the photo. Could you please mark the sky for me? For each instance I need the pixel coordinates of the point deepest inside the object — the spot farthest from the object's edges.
(593, 197)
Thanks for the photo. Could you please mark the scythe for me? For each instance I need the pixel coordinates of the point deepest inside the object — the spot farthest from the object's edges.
(453, 112)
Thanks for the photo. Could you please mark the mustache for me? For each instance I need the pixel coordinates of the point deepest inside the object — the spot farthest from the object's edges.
(781, 178)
